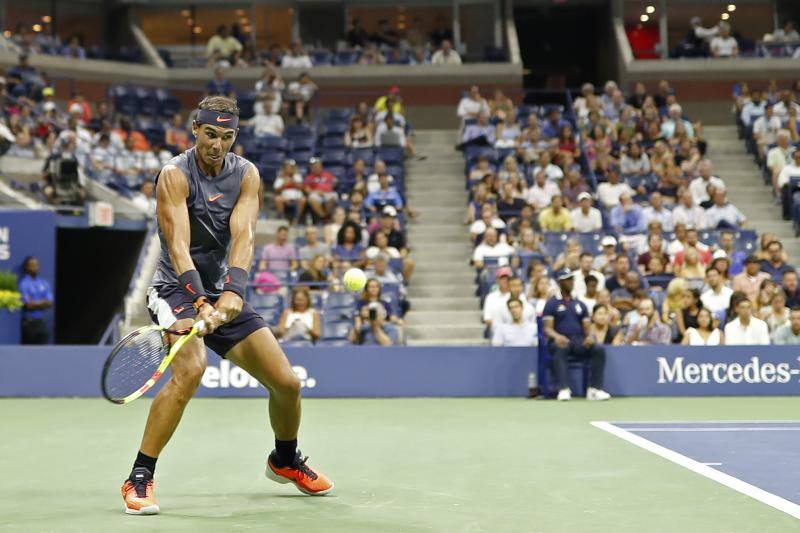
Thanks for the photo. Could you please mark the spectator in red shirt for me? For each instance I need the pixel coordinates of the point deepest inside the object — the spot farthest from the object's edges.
(319, 186)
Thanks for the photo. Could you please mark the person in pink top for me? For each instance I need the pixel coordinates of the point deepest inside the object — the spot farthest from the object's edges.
(319, 187)
(749, 281)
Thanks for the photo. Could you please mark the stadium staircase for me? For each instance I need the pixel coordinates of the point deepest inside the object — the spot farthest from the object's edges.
(746, 189)
(444, 308)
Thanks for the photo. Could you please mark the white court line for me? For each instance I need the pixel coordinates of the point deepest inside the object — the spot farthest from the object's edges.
(701, 429)
(781, 504)
(713, 464)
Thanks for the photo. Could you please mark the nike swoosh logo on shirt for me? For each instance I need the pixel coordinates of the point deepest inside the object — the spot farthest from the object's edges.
(215, 197)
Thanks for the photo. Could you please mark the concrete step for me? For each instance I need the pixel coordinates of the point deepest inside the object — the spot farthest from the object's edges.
(462, 245)
(461, 277)
(443, 317)
(436, 201)
(426, 302)
(441, 215)
(437, 256)
(442, 331)
(440, 291)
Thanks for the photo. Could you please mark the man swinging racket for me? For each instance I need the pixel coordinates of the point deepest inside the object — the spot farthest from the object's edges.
(208, 201)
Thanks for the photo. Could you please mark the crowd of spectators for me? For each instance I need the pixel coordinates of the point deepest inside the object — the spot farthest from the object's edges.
(608, 219)
(39, 39)
(768, 122)
(387, 45)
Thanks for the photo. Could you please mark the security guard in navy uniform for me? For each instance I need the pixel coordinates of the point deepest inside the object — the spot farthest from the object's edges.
(566, 325)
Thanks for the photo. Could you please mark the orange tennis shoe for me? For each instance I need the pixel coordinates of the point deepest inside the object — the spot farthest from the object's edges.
(137, 491)
(304, 478)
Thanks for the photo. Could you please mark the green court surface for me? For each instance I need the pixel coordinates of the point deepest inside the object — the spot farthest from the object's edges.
(461, 465)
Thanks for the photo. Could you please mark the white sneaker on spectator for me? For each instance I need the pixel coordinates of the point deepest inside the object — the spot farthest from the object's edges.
(597, 395)
(564, 395)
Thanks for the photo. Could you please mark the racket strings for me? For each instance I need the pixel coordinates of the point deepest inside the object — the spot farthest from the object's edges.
(134, 363)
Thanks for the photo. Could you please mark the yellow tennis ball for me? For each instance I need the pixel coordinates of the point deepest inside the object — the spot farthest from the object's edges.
(354, 279)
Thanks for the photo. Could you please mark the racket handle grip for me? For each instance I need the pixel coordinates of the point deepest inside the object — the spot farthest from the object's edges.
(199, 325)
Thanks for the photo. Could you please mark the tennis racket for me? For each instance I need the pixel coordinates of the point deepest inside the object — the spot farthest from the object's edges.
(138, 361)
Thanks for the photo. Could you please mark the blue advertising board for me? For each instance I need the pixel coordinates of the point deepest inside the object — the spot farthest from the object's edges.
(363, 371)
(24, 233)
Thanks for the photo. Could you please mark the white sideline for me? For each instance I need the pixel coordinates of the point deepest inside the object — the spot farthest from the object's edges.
(781, 504)
(701, 429)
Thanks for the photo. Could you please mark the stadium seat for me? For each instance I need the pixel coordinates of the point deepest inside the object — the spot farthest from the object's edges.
(337, 329)
(298, 131)
(346, 57)
(270, 300)
(321, 58)
(391, 155)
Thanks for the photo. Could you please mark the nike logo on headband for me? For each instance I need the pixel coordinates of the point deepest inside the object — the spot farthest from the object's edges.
(220, 119)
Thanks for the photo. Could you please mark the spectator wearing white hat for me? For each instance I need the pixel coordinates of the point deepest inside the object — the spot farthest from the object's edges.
(604, 262)
(586, 218)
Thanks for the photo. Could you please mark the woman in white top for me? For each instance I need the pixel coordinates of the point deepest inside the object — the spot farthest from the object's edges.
(300, 322)
(705, 334)
(332, 228)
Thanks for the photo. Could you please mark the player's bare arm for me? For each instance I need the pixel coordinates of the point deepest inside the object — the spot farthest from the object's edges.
(172, 190)
(243, 228)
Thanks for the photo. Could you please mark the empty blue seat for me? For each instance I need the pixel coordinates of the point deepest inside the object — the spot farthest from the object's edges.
(302, 143)
(301, 156)
(265, 301)
(321, 58)
(555, 243)
(391, 155)
(338, 301)
(334, 157)
(336, 127)
(346, 57)
(298, 131)
(272, 159)
(335, 141)
(148, 103)
(246, 102)
(272, 143)
(332, 330)
(362, 153)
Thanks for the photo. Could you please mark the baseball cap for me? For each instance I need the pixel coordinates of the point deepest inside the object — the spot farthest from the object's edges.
(608, 240)
(394, 89)
(583, 195)
(48, 106)
(719, 254)
(48, 91)
(389, 211)
(503, 271)
(564, 273)
(314, 160)
(751, 259)
(75, 108)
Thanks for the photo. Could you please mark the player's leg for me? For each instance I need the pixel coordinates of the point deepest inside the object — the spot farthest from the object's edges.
(262, 357)
(165, 413)
(167, 408)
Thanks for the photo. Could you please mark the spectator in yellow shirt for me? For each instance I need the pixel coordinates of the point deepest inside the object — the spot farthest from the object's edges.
(555, 217)
(390, 104)
(222, 45)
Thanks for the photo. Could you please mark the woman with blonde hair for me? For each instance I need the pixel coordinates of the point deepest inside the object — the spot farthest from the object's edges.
(691, 268)
(674, 302)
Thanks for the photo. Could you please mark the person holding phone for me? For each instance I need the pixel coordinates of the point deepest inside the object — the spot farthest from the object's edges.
(648, 329)
(373, 317)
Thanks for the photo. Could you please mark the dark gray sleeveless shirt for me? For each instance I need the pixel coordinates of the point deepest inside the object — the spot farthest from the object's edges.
(210, 202)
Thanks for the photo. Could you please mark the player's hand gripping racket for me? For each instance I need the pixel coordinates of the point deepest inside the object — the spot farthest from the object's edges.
(138, 361)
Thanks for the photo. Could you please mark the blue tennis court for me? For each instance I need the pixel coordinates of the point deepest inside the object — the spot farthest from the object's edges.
(759, 459)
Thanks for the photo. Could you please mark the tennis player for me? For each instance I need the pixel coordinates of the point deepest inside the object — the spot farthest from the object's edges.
(208, 200)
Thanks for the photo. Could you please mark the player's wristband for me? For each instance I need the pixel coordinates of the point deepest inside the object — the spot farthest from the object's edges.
(236, 281)
(192, 284)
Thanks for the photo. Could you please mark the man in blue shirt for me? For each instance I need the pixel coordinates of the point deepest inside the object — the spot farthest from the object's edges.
(36, 297)
(384, 196)
(627, 217)
(775, 266)
(220, 84)
(566, 325)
